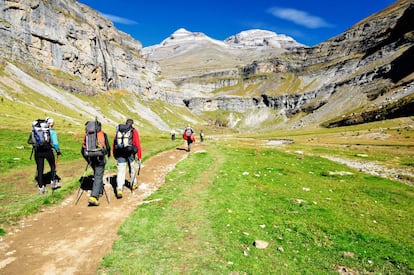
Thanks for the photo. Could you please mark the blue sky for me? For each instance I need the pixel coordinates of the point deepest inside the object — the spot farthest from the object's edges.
(308, 22)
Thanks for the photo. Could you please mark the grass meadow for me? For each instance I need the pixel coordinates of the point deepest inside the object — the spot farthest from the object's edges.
(216, 205)
(314, 216)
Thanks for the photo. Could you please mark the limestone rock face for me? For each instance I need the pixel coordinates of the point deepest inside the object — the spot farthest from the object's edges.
(66, 36)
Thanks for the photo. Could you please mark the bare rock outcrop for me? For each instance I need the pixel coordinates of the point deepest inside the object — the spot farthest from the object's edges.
(72, 46)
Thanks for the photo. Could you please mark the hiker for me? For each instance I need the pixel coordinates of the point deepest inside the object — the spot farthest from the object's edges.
(172, 134)
(126, 148)
(95, 147)
(201, 136)
(44, 140)
(55, 145)
(188, 136)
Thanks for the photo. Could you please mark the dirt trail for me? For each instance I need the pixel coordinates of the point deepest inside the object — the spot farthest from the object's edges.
(72, 239)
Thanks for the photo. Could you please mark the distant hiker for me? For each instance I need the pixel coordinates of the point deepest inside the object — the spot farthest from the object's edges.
(44, 140)
(125, 148)
(188, 135)
(172, 134)
(201, 136)
(95, 148)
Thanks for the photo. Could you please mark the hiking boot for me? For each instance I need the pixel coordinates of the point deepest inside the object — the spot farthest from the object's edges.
(42, 190)
(55, 185)
(93, 201)
(134, 186)
(119, 194)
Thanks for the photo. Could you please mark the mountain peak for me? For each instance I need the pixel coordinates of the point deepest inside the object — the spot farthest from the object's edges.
(255, 38)
(181, 31)
(261, 38)
(182, 35)
(238, 49)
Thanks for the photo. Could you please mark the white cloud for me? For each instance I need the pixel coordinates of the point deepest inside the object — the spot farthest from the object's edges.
(120, 20)
(299, 17)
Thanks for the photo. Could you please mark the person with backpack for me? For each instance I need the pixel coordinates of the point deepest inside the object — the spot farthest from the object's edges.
(126, 147)
(43, 142)
(188, 136)
(55, 145)
(201, 136)
(95, 148)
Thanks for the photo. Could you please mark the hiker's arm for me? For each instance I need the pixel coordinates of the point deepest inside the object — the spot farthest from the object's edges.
(136, 141)
(29, 140)
(55, 142)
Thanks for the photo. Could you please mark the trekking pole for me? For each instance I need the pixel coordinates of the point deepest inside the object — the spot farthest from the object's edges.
(139, 166)
(54, 176)
(31, 154)
(108, 179)
(80, 190)
(135, 175)
(109, 166)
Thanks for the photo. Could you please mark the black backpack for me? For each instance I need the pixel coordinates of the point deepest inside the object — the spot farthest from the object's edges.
(94, 140)
(123, 140)
(40, 136)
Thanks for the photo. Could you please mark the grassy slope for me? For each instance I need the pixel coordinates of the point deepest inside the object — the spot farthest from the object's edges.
(208, 215)
(22, 103)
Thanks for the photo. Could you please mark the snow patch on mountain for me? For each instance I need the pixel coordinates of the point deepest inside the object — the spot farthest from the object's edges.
(181, 36)
(182, 41)
(261, 38)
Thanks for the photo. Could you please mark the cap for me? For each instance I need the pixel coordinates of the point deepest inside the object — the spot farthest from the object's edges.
(49, 120)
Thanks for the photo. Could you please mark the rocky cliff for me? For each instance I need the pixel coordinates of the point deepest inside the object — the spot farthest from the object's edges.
(72, 46)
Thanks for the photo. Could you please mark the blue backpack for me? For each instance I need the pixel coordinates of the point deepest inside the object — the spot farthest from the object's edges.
(40, 136)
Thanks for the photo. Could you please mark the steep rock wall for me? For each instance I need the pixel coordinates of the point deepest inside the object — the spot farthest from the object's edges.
(67, 36)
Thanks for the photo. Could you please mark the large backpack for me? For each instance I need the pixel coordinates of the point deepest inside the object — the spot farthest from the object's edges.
(40, 136)
(188, 131)
(123, 140)
(94, 140)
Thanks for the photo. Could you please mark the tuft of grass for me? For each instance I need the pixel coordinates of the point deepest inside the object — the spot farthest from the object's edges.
(215, 205)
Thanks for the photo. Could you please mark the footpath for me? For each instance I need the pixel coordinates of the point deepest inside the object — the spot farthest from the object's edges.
(72, 238)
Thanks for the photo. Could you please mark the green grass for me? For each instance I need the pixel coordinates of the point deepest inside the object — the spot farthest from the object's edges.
(388, 142)
(216, 204)
(21, 199)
